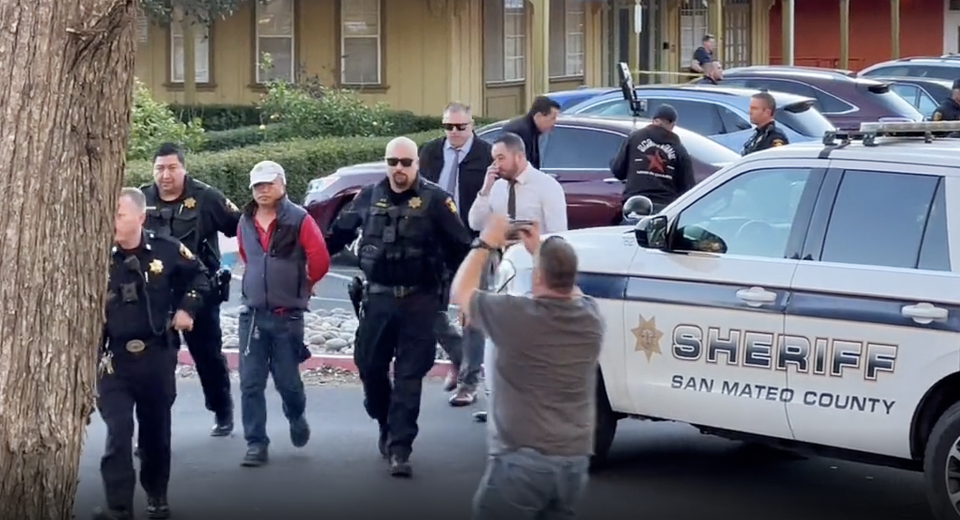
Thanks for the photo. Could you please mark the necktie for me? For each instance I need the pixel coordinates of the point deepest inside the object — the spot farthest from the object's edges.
(512, 201)
(451, 186)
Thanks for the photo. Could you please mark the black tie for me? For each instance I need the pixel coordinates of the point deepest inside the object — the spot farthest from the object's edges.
(512, 201)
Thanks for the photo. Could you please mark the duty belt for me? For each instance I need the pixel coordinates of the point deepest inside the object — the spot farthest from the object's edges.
(397, 291)
(135, 346)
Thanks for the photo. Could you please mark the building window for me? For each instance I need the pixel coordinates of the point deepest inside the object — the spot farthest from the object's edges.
(275, 44)
(505, 40)
(693, 25)
(567, 24)
(201, 49)
(736, 34)
(360, 45)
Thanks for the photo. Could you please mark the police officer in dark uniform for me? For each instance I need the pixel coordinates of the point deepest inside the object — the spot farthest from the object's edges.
(193, 212)
(767, 135)
(155, 289)
(411, 234)
(949, 109)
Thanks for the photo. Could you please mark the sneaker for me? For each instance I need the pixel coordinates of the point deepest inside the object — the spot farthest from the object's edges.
(400, 467)
(480, 417)
(256, 456)
(111, 514)
(223, 425)
(157, 508)
(299, 432)
(464, 397)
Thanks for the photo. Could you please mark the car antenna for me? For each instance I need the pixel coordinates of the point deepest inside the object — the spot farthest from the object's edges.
(637, 106)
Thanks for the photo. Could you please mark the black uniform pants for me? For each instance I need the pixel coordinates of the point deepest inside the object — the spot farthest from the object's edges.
(401, 329)
(205, 343)
(145, 382)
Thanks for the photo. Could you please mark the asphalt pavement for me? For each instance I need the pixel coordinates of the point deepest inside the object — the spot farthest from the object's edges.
(658, 471)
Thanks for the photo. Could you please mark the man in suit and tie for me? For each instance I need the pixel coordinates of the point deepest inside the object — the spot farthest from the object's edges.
(458, 162)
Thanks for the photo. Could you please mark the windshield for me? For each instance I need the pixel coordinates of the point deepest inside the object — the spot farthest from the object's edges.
(704, 149)
(808, 122)
(896, 106)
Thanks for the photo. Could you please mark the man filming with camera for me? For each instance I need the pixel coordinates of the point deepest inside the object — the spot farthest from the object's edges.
(525, 195)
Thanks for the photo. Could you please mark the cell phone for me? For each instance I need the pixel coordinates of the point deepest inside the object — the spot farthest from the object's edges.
(515, 226)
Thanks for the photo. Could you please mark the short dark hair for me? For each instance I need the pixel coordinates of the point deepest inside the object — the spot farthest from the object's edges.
(767, 100)
(167, 149)
(707, 37)
(558, 264)
(512, 141)
(543, 105)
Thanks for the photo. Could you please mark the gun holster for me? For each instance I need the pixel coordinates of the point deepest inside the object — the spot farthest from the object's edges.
(355, 291)
(222, 279)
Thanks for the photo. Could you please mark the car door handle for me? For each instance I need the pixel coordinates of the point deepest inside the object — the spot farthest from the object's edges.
(612, 180)
(756, 296)
(924, 313)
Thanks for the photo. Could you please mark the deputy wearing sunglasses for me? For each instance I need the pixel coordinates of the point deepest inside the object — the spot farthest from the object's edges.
(411, 236)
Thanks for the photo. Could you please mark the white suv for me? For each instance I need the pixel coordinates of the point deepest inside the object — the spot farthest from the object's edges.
(807, 296)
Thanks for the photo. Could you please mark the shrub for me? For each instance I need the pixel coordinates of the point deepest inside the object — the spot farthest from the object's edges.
(244, 136)
(217, 118)
(315, 110)
(302, 159)
(154, 123)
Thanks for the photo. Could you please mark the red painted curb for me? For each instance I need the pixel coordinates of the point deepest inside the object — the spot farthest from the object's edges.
(342, 362)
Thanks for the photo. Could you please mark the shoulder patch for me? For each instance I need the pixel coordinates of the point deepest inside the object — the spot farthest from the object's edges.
(230, 205)
(452, 206)
(777, 142)
(185, 252)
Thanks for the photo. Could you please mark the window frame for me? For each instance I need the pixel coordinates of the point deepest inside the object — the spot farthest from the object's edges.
(205, 36)
(342, 48)
(495, 44)
(566, 9)
(257, 71)
(603, 168)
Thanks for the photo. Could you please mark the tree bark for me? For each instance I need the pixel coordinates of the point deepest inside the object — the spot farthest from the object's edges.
(65, 98)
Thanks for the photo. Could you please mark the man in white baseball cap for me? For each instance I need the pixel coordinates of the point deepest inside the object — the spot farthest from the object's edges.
(285, 255)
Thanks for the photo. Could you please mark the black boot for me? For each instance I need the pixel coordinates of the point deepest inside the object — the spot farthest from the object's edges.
(384, 442)
(400, 466)
(157, 508)
(111, 514)
(224, 425)
(256, 456)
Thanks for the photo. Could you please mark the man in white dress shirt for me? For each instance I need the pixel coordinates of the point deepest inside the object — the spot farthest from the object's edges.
(519, 191)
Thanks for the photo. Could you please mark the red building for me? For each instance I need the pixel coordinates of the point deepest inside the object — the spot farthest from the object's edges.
(817, 30)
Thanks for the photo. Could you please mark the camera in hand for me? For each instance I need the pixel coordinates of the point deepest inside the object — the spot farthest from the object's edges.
(516, 226)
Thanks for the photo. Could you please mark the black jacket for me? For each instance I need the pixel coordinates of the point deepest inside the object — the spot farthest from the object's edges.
(655, 164)
(527, 130)
(470, 176)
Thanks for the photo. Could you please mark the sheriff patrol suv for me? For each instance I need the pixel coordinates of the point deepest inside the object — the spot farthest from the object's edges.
(807, 295)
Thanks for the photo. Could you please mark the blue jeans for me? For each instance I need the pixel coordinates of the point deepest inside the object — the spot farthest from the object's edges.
(270, 344)
(528, 485)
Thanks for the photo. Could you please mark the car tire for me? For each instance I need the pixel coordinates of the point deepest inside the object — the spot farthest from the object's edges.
(937, 461)
(605, 428)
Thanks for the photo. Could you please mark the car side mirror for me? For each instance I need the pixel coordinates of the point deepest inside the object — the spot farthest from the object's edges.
(651, 232)
(637, 207)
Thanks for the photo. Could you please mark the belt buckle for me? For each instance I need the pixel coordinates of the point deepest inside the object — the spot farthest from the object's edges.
(136, 346)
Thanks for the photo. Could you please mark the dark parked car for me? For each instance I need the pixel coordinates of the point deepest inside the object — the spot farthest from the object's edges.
(925, 94)
(578, 154)
(845, 100)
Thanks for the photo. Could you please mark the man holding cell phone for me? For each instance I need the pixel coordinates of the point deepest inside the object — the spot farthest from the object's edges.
(524, 194)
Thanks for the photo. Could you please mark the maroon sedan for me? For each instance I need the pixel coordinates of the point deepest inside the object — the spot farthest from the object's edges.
(577, 153)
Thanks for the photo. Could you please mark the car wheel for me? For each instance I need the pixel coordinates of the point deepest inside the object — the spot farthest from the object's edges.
(941, 466)
(605, 428)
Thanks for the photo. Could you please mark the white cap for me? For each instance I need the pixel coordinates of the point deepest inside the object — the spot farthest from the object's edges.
(266, 171)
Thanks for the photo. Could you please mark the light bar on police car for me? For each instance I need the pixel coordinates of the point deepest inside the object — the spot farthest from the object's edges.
(910, 127)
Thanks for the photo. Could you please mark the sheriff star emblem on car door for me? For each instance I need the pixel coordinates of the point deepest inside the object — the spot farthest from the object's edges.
(648, 337)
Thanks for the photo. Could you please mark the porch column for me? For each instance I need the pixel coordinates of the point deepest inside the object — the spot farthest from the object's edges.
(465, 37)
(844, 34)
(538, 69)
(715, 15)
(633, 43)
(786, 17)
(895, 28)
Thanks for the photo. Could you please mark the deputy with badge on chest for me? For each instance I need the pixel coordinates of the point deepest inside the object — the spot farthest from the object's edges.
(767, 135)
(155, 289)
(411, 235)
(192, 212)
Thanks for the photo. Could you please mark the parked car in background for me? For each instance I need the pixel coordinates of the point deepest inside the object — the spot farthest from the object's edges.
(925, 94)
(718, 112)
(578, 154)
(946, 67)
(844, 99)
(568, 98)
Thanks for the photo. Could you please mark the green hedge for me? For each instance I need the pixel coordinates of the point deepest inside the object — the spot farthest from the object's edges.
(303, 160)
(219, 117)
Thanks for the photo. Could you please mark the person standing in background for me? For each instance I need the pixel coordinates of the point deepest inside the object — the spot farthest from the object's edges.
(458, 162)
(703, 55)
(534, 127)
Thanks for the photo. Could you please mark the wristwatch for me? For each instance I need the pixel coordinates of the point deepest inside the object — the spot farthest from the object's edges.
(478, 243)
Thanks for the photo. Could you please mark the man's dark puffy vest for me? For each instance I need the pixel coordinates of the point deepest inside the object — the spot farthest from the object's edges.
(183, 221)
(398, 235)
(276, 278)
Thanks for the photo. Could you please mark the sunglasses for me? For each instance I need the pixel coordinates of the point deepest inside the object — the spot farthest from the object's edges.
(405, 162)
(455, 126)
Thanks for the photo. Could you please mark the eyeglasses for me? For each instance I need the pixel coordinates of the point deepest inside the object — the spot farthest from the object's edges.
(455, 126)
(405, 162)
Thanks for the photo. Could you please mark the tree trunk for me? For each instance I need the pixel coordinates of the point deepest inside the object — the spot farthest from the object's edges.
(65, 101)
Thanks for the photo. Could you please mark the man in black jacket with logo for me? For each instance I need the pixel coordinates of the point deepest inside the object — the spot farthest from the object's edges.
(653, 161)
(537, 122)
